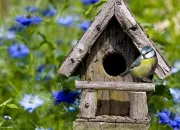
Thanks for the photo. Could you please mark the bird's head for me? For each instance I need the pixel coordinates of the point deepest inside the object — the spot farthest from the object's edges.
(147, 52)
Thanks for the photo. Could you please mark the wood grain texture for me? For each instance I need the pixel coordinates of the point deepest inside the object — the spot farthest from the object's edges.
(109, 126)
(86, 42)
(129, 25)
(112, 40)
(138, 36)
(88, 105)
(120, 86)
(138, 105)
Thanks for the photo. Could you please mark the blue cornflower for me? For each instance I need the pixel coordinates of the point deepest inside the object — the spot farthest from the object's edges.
(65, 96)
(31, 9)
(45, 72)
(176, 94)
(84, 25)
(174, 124)
(16, 28)
(164, 117)
(28, 20)
(177, 119)
(18, 50)
(41, 68)
(50, 12)
(86, 2)
(65, 21)
(30, 102)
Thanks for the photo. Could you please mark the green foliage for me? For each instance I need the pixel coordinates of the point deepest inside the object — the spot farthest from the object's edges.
(20, 76)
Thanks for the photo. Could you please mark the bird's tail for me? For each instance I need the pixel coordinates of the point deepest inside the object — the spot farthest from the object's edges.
(125, 72)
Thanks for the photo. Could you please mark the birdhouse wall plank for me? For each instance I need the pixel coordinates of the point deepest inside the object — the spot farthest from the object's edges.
(88, 105)
(138, 105)
(112, 40)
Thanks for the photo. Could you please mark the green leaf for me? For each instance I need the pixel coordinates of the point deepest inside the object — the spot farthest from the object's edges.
(96, 5)
(164, 91)
(6, 102)
(12, 106)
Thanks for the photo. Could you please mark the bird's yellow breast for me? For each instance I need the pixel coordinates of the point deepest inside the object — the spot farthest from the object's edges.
(146, 68)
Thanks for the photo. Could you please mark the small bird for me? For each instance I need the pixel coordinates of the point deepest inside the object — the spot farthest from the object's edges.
(144, 65)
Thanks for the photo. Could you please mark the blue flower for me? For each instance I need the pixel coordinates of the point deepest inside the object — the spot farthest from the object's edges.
(164, 117)
(31, 9)
(16, 28)
(65, 21)
(50, 12)
(26, 21)
(84, 25)
(41, 68)
(177, 119)
(30, 102)
(45, 72)
(18, 50)
(65, 96)
(176, 94)
(86, 2)
(168, 118)
(174, 124)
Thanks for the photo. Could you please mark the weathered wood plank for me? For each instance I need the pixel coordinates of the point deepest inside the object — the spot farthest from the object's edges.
(86, 42)
(118, 119)
(109, 126)
(88, 104)
(112, 40)
(120, 86)
(138, 36)
(138, 105)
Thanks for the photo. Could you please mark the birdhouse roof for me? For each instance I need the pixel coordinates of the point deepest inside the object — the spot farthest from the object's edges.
(119, 10)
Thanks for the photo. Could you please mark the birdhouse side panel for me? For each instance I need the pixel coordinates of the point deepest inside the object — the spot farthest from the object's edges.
(111, 55)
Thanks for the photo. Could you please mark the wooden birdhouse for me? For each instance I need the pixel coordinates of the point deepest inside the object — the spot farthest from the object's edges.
(110, 45)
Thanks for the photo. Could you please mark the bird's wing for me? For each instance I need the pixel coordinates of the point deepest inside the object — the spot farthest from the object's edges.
(136, 63)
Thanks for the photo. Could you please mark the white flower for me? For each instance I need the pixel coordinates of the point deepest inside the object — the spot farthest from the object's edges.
(176, 94)
(41, 128)
(7, 117)
(31, 102)
(176, 67)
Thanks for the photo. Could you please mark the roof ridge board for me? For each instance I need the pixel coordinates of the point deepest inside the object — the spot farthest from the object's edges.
(132, 28)
(88, 39)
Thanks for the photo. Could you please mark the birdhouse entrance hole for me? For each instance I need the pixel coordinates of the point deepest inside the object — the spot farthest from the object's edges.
(114, 64)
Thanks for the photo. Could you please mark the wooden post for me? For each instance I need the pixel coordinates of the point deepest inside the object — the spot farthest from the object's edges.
(88, 104)
(138, 105)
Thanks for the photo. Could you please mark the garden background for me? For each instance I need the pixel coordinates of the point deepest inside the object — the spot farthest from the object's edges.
(36, 36)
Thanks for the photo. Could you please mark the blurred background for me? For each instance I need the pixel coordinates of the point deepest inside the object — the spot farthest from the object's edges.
(37, 35)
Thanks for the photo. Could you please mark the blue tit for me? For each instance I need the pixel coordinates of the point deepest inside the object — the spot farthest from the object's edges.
(144, 65)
